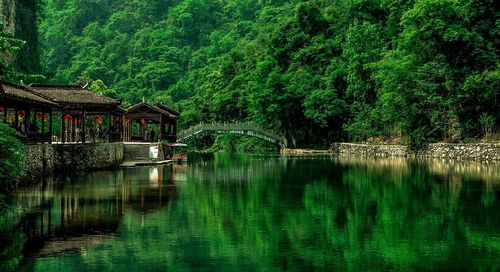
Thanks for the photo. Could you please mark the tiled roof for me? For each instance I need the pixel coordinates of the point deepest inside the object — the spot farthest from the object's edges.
(152, 107)
(21, 94)
(170, 110)
(71, 95)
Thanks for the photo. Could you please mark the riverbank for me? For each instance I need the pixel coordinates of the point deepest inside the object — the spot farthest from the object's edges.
(473, 152)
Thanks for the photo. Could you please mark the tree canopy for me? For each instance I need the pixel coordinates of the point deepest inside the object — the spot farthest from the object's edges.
(317, 71)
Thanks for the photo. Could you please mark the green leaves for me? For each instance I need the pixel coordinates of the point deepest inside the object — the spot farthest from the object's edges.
(311, 70)
(13, 165)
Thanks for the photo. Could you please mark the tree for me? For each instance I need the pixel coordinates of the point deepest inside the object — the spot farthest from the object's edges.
(13, 166)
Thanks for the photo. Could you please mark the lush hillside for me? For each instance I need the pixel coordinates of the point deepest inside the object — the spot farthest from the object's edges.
(19, 56)
(318, 71)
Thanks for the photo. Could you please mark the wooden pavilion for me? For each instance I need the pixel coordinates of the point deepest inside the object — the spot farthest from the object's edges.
(144, 114)
(81, 113)
(27, 112)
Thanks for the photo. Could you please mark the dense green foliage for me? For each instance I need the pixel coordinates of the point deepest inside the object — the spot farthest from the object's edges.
(11, 150)
(317, 71)
(12, 165)
(8, 46)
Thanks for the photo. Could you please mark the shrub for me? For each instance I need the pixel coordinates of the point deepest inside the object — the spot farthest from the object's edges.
(12, 165)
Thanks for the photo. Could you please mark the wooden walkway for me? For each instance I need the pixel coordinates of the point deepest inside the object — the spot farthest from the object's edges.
(233, 128)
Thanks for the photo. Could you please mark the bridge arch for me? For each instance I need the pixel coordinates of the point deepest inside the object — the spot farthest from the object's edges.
(233, 128)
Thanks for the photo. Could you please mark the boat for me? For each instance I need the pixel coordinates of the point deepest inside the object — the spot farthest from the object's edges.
(178, 152)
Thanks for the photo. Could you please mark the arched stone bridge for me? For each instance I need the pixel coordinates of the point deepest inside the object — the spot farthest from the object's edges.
(233, 128)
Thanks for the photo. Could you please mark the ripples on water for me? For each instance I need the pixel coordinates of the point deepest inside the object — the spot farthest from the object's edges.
(237, 213)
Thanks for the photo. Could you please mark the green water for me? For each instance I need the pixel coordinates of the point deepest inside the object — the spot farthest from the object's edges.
(236, 213)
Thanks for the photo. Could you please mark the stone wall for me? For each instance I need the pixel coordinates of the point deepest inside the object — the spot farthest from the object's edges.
(477, 152)
(43, 160)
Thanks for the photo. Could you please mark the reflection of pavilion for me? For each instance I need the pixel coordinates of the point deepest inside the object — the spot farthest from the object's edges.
(87, 212)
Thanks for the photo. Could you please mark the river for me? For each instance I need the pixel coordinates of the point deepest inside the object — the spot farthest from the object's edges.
(249, 213)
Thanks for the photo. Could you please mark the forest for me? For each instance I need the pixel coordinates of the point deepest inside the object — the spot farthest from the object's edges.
(317, 71)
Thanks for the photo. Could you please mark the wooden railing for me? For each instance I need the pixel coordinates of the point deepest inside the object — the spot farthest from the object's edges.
(233, 128)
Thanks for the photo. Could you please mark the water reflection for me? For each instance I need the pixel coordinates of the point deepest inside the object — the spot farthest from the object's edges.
(73, 213)
(236, 213)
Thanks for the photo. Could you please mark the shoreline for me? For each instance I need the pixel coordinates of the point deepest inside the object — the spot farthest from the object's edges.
(487, 152)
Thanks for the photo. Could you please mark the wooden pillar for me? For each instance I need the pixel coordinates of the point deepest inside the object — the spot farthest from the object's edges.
(175, 130)
(161, 134)
(27, 116)
(129, 133)
(73, 129)
(50, 126)
(109, 116)
(83, 130)
(63, 129)
(43, 122)
(17, 118)
(34, 120)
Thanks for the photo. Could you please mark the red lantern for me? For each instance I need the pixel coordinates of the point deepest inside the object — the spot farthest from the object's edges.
(45, 117)
(143, 121)
(1, 109)
(39, 114)
(21, 113)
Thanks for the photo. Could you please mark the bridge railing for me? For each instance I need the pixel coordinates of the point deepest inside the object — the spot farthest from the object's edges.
(228, 126)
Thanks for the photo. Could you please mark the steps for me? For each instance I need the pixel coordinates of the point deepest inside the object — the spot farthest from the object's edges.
(136, 151)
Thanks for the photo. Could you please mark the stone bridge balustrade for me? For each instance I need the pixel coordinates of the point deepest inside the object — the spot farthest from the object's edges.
(241, 128)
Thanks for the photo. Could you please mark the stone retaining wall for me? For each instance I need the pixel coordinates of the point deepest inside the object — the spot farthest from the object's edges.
(43, 160)
(476, 152)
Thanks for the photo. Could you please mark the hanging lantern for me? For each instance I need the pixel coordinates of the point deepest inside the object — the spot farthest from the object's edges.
(21, 113)
(45, 117)
(39, 114)
(1, 109)
(143, 121)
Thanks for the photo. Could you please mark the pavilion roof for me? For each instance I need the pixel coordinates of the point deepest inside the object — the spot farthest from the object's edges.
(170, 110)
(72, 95)
(143, 105)
(22, 94)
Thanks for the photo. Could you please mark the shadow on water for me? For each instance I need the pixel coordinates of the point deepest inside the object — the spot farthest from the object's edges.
(231, 212)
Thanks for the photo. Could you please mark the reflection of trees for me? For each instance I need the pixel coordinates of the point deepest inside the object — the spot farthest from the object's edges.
(305, 215)
(11, 240)
(345, 217)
